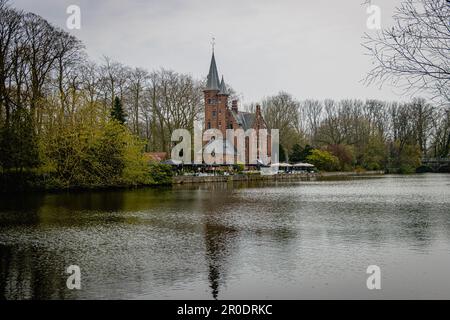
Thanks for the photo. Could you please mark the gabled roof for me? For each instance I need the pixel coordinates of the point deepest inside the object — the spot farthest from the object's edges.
(244, 119)
(213, 82)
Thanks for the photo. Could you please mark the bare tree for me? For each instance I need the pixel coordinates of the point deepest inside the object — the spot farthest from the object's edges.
(176, 103)
(330, 131)
(375, 111)
(90, 82)
(440, 134)
(10, 27)
(422, 114)
(312, 114)
(282, 112)
(114, 78)
(69, 57)
(137, 84)
(414, 54)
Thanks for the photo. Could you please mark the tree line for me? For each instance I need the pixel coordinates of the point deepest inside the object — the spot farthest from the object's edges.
(370, 134)
(73, 122)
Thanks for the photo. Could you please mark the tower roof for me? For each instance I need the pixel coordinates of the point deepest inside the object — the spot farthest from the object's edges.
(213, 82)
(223, 87)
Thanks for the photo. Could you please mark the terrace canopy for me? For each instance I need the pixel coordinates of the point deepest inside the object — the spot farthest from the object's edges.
(303, 165)
(172, 162)
(286, 165)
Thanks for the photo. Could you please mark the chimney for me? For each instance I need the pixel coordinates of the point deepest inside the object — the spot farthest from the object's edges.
(234, 105)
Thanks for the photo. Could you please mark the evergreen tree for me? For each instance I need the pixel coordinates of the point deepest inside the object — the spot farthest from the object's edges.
(307, 151)
(18, 143)
(296, 154)
(117, 112)
(282, 154)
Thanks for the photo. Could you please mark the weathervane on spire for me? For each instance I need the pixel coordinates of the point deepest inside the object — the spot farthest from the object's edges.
(213, 43)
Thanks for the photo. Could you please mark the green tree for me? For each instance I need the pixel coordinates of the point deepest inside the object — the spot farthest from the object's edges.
(160, 173)
(117, 112)
(374, 156)
(106, 154)
(344, 153)
(81, 155)
(323, 160)
(18, 143)
(403, 158)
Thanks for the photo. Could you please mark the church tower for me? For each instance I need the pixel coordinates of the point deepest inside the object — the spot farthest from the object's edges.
(216, 100)
(219, 115)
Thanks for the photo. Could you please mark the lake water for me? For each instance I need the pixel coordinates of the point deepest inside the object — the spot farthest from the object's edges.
(279, 241)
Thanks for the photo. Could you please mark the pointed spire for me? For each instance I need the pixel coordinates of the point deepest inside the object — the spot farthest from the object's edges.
(213, 76)
(223, 88)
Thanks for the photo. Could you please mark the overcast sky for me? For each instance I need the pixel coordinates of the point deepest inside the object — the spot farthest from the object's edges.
(309, 48)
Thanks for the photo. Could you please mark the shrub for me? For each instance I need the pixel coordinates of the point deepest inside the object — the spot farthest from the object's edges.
(105, 155)
(323, 160)
(159, 173)
(345, 155)
(406, 169)
(240, 167)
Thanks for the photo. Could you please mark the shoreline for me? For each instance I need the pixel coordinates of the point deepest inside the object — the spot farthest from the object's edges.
(179, 180)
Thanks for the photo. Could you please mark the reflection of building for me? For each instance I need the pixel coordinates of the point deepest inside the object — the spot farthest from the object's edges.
(216, 238)
(219, 115)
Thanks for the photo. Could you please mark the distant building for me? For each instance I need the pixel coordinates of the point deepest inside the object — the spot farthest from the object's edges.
(220, 115)
(155, 156)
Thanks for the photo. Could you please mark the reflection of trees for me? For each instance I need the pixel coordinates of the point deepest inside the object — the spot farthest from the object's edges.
(151, 241)
(120, 251)
(4, 268)
(30, 274)
(20, 209)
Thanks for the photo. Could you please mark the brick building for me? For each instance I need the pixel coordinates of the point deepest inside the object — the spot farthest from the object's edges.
(220, 115)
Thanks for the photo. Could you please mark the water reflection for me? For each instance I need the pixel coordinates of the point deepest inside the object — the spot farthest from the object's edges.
(217, 240)
(283, 240)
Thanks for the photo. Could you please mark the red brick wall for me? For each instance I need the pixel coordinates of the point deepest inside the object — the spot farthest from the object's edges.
(216, 111)
(219, 116)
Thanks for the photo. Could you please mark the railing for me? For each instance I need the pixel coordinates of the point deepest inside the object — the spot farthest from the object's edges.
(436, 160)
